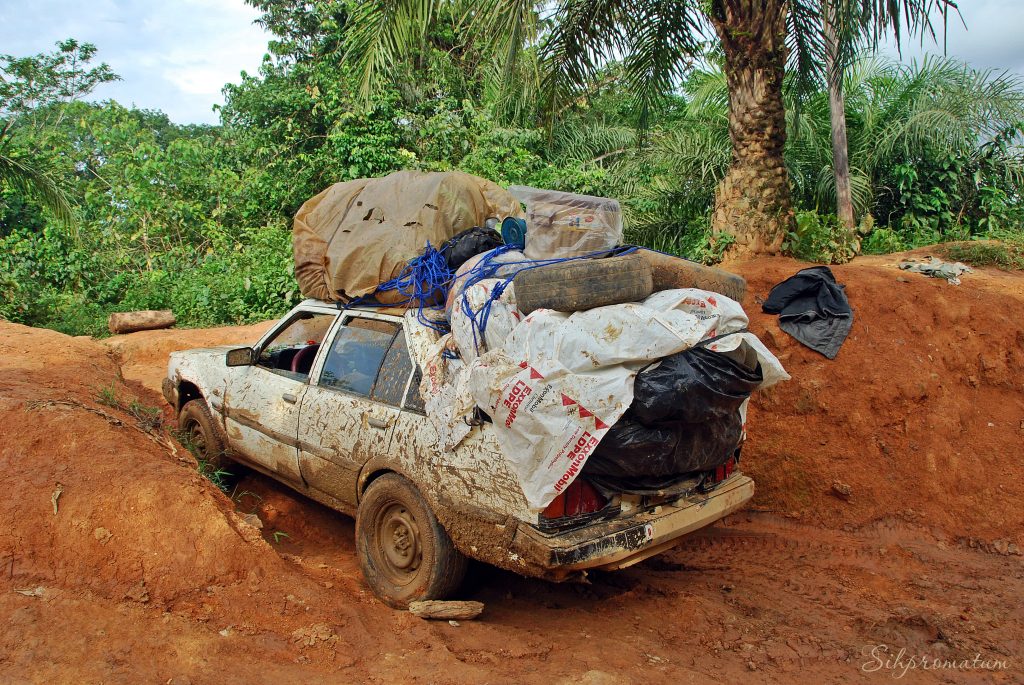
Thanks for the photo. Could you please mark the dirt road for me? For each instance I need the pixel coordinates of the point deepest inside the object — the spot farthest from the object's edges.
(118, 563)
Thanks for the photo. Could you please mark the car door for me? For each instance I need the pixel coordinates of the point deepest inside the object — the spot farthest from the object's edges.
(262, 401)
(350, 411)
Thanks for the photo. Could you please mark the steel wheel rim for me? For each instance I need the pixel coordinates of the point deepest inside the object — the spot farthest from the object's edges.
(196, 436)
(397, 543)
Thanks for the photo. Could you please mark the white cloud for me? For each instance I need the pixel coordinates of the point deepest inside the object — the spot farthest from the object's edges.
(173, 56)
(990, 40)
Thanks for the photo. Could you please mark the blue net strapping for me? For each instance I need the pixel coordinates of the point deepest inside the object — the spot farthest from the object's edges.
(427, 278)
(488, 267)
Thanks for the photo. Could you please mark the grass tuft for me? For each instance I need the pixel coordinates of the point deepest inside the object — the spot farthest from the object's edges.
(1004, 255)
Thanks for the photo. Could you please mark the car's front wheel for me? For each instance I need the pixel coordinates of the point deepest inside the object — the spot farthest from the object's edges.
(200, 433)
(404, 552)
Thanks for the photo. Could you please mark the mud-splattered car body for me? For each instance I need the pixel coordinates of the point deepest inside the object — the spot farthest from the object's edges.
(329, 440)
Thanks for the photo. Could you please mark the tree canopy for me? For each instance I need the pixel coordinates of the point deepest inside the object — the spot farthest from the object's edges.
(197, 218)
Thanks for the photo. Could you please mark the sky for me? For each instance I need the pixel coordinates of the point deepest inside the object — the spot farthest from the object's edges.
(173, 55)
(992, 39)
(176, 55)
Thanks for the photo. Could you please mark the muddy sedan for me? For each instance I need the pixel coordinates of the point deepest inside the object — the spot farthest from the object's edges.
(328, 403)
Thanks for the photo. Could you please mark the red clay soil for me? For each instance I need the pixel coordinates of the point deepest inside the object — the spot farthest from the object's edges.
(921, 412)
(119, 564)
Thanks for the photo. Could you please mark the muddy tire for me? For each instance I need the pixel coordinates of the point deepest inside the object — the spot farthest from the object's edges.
(584, 284)
(671, 272)
(404, 553)
(200, 430)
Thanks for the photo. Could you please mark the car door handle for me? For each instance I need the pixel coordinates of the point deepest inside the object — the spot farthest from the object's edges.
(378, 423)
(289, 398)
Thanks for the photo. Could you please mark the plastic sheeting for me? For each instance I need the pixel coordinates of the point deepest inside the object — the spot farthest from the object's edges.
(560, 381)
(356, 235)
(473, 332)
(469, 243)
(634, 451)
(510, 262)
(566, 224)
(694, 386)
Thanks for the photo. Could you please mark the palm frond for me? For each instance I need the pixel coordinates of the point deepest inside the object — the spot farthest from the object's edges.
(587, 35)
(507, 26)
(39, 185)
(806, 45)
(662, 37)
(383, 34)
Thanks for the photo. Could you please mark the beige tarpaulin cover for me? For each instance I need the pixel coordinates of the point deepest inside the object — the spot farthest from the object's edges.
(356, 235)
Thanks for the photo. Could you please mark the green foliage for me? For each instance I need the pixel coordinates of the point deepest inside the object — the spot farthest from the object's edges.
(221, 478)
(821, 238)
(107, 396)
(1005, 255)
(197, 218)
(918, 153)
(33, 93)
(883, 241)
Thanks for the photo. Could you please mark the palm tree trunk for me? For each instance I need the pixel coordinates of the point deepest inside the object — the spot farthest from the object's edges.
(752, 202)
(837, 109)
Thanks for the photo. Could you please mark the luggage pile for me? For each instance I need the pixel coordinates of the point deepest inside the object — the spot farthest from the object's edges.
(628, 366)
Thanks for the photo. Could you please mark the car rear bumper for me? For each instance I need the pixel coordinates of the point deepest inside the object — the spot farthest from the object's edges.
(616, 544)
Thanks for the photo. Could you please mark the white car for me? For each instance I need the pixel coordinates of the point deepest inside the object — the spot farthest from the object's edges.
(328, 403)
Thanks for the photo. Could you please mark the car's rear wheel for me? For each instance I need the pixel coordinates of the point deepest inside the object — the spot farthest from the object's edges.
(404, 552)
(200, 432)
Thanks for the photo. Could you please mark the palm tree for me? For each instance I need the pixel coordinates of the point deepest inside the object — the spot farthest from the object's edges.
(656, 40)
(846, 28)
(899, 115)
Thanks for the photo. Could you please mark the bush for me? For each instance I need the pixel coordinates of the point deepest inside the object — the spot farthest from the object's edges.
(821, 238)
(883, 241)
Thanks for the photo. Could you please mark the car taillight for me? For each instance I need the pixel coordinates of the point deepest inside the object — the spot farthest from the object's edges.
(725, 470)
(720, 473)
(579, 498)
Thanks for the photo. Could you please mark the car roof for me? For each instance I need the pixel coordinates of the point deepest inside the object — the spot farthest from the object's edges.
(335, 306)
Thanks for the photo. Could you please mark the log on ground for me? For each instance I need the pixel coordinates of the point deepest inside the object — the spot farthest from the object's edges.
(148, 320)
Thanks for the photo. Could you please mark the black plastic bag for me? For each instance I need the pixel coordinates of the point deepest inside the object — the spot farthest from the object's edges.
(632, 450)
(469, 243)
(693, 386)
(684, 418)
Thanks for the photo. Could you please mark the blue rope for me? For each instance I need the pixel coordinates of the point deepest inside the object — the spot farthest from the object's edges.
(488, 267)
(425, 277)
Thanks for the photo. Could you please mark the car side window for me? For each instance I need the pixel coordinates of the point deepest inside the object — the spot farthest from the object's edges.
(394, 373)
(292, 350)
(413, 399)
(356, 355)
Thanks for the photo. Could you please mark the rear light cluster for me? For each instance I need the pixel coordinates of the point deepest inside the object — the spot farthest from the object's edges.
(579, 498)
(725, 470)
(720, 473)
(574, 506)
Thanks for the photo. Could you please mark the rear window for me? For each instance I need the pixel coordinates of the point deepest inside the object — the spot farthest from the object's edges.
(356, 355)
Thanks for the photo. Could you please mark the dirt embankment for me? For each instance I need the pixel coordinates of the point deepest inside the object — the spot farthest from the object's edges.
(143, 355)
(118, 563)
(921, 413)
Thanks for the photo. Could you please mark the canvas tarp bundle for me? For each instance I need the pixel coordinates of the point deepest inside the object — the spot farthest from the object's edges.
(358, 234)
